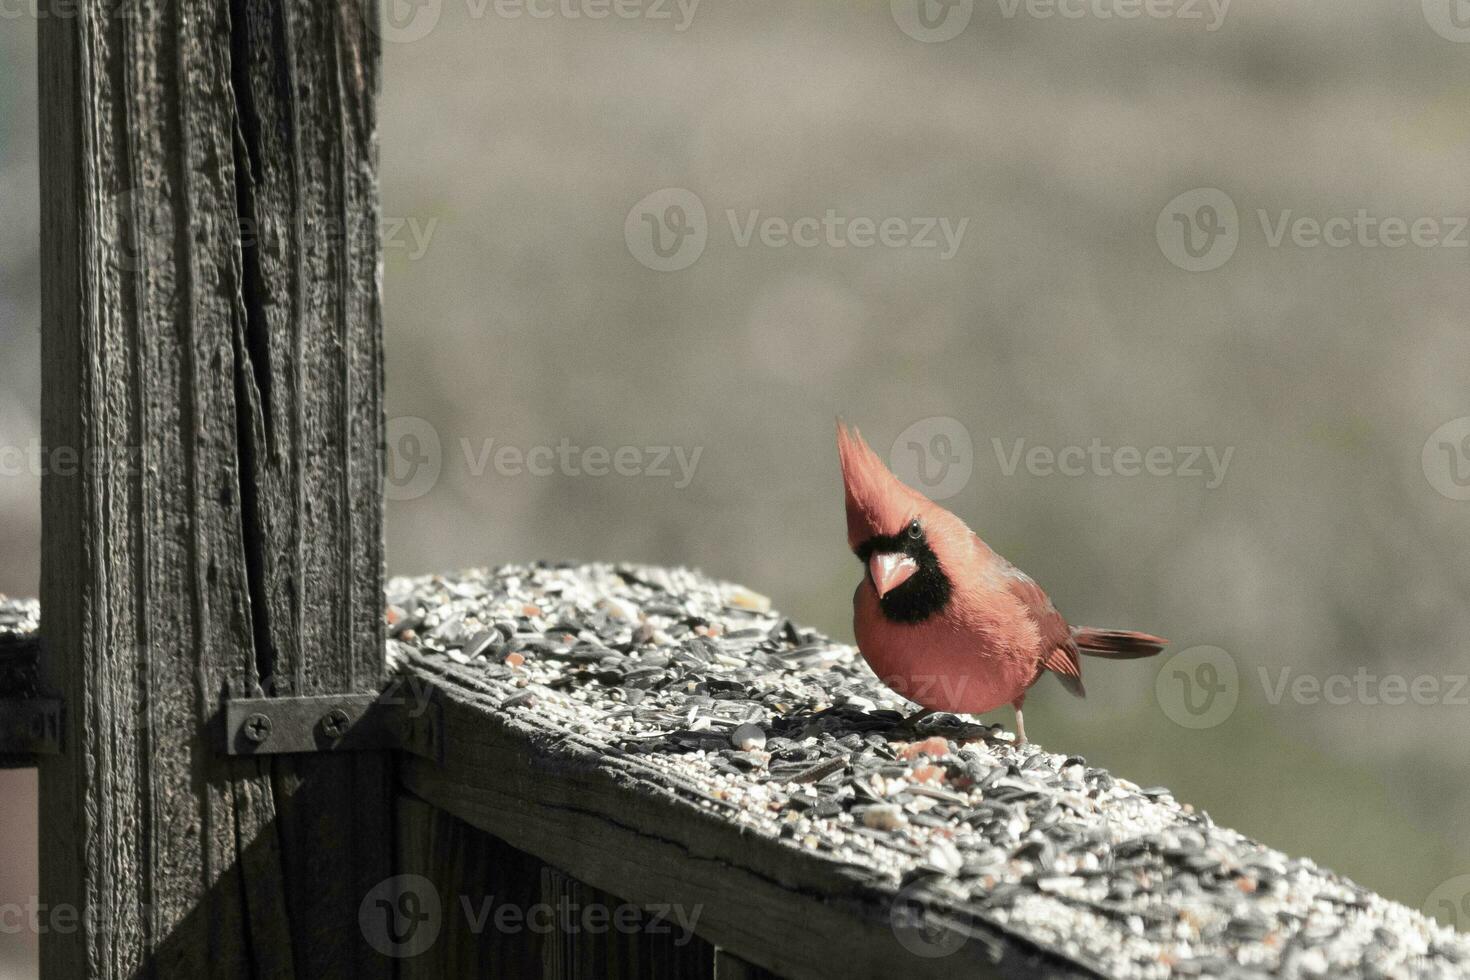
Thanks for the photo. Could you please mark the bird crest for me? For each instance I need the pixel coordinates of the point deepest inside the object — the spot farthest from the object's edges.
(877, 502)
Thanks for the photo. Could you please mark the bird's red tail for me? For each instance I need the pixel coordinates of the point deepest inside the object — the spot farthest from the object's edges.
(1116, 644)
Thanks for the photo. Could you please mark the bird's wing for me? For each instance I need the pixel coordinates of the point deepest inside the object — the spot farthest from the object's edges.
(1058, 650)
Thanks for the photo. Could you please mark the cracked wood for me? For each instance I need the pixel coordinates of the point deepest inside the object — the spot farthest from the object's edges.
(212, 350)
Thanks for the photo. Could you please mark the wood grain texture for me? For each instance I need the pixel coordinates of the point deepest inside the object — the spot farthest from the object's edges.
(614, 823)
(212, 353)
(728, 966)
(19, 667)
(600, 936)
(505, 913)
(468, 868)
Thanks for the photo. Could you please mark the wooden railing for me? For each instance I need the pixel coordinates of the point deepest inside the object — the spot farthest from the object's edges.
(627, 771)
(235, 783)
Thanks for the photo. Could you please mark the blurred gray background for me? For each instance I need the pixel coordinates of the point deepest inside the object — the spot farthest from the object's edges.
(521, 308)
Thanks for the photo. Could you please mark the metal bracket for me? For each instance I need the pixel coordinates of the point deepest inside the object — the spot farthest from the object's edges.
(332, 723)
(30, 727)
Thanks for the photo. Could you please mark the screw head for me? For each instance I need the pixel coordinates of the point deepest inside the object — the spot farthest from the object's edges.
(257, 728)
(334, 723)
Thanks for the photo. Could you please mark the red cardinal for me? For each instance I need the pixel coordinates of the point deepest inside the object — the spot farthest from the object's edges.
(942, 619)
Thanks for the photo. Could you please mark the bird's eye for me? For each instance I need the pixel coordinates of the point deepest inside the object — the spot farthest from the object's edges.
(914, 529)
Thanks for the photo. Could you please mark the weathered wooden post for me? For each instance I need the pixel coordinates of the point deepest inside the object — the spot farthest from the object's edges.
(213, 363)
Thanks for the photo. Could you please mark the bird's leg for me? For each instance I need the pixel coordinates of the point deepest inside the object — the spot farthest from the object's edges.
(1020, 722)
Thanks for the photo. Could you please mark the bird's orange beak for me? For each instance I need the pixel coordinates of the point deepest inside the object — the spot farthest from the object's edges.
(890, 570)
